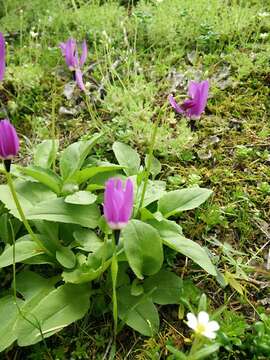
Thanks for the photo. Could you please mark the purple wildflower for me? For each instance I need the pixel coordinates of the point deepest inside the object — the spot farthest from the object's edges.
(118, 203)
(70, 52)
(195, 105)
(2, 57)
(9, 141)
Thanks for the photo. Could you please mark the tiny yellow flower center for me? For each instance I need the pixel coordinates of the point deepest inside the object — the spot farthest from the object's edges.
(200, 329)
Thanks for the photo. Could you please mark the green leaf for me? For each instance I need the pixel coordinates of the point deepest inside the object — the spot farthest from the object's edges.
(127, 157)
(87, 240)
(154, 191)
(73, 156)
(8, 315)
(138, 312)
(143, 248)
(5, 228)
(171, 234)
(29, 194)
(53, 312)
(89, 172)
(205, 351)
(45, 176)
(66, 257)
(24, 249)
(155, 167)
(59, 211)
(180, 200)
(81, 198)
(45, 153)
(178, 355)
(165, 287)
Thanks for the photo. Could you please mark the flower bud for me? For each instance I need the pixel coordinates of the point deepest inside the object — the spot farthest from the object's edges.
(9, 141)
(118, 203)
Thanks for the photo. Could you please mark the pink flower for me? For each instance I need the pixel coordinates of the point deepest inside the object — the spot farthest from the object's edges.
(70, 52)
(118, 203)
(195, 105)
(2, 57)
(9, 141)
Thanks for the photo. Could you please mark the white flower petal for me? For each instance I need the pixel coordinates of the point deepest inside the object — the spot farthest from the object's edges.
(212, 326)
(209, 334)
(203, 318)
(192, 321)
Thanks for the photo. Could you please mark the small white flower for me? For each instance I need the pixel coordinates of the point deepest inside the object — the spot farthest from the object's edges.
(263, 14)
(264, 35)
(201, 324)
(33, 34)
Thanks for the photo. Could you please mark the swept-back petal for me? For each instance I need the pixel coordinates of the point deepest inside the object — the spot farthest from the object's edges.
(193, 88)
(79, 79)
(84, 53)
(203, 95)
(174, 104)
(70, 52)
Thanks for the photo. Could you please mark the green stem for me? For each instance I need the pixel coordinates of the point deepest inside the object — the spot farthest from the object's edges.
(149, 163)
(91, 112)
(114, 272)
(21, 213)
(53, 128)
(37, 326)
(196, 345)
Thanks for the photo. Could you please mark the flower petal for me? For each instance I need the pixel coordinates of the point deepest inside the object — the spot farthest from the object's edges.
(209, 334)
(192, 321)
(193, 89)
(84, 53)
(174, 104)
(79, 79)
(203, 318)
(213, 326)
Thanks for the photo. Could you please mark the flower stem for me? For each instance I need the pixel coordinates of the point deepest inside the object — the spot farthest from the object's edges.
(196, 345)
(149, 163)
(114, 272)
(21, 213)
(91, 113)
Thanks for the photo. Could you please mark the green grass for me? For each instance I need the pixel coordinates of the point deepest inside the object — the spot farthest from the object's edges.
(139, 54)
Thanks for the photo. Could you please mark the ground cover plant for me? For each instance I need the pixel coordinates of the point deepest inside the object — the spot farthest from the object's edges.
(135, 189)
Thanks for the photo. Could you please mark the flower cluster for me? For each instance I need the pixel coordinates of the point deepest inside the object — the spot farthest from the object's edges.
(195, 105)
(74, 62)
(201, 324)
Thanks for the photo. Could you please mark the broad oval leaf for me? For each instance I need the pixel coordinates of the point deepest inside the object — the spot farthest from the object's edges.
(58, 210)
(143, 248)
(55, 311)
(66, 257)
(45, 153)
(138, 312)
(164, 287)
(81, 198)
(127, 157)
(24, 249)
(87, 240)
(172, 236)
(8, 314)
(89, 172)
(73, 156)
(45, 176)
(180, 200)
